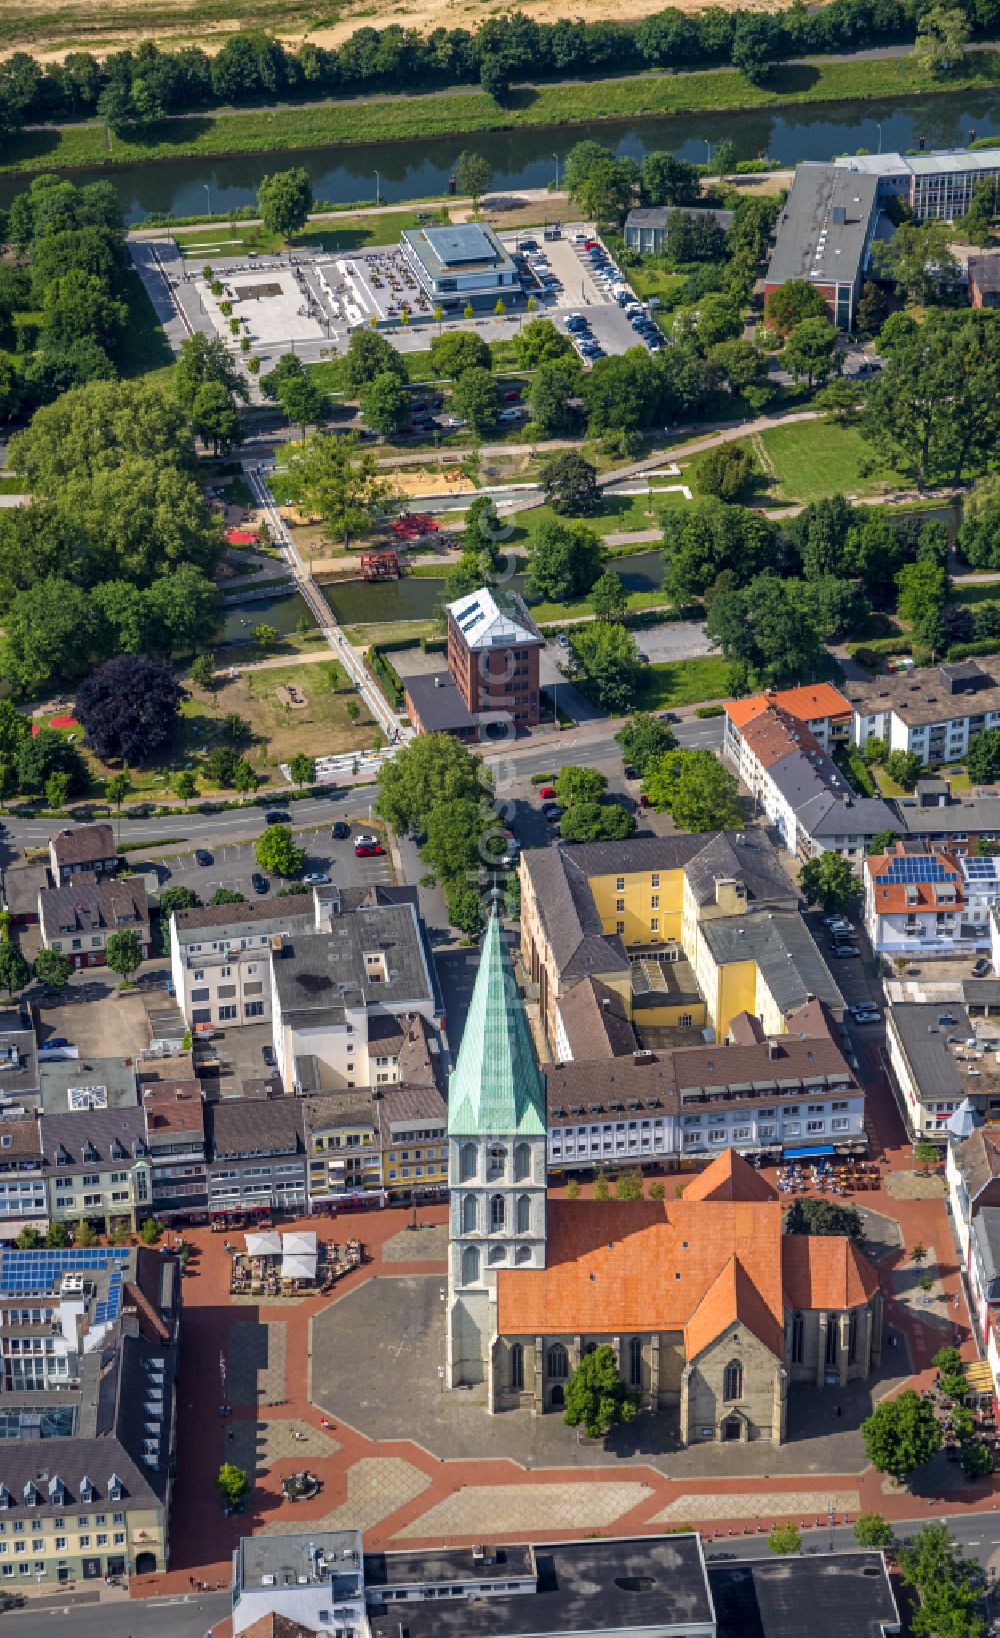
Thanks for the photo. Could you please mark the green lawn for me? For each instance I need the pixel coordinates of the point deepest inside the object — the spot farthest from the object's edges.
(653, 281)
(621, 514)
(810, 459)
(986, 591)
(448, 113)
(145, 348)
(330, 376)
(684, 682)
(353, 233)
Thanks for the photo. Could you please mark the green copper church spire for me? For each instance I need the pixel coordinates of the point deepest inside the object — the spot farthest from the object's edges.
(496, 1087)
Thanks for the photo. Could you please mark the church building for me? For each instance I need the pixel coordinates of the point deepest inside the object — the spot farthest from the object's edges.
(710, 1309)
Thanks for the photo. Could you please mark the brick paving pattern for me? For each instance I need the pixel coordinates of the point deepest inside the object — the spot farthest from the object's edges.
(525, 1509)
(256, 1446)
(722, 1504)
(428, 1243)
(376, 1487)
(256, 1362)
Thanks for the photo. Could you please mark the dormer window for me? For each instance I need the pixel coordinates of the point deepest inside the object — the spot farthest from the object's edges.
(116, 1489)
(30, 1494)
(87, 1491)
(4, 1497)
(56, 1490)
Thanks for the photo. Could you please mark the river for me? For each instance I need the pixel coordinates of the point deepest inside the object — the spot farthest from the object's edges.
(527, 157)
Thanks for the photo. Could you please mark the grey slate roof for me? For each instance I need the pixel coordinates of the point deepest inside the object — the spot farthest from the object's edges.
(924, 1041)
(569, 915)
(329, 1111)
(658, 216)
(111, 1083)
(244, 1127)
(858, 817)
(783, 948)
(320, 971)
(986, 1233)
(93, 1138)
(257, 916)
(596, 1021)
(83, 844)
(811, 244)
(976, 813)
(88, 904)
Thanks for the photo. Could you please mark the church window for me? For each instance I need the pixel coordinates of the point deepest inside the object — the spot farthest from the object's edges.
(831, 1341)
(557, 1362)
(516, 1367)
(522, 1254)
(470, 1265)
(852, 1338)
(522, 1163)
(467, 1162)
(470, 1214)
(498, 1213)
(497, 1161)
(733, 1385)
(497, 1254)
(798, 1328)
(523, 1213)
(635, 1362)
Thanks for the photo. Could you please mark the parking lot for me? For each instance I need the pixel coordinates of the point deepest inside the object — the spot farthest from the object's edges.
(233, 865)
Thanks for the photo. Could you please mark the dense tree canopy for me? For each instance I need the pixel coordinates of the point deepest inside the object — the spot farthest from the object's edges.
(432, 770)
(695, 788)
(129, 708)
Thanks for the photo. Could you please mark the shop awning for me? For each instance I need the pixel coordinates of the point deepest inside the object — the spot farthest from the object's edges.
(808, 1151)
(980, 1376)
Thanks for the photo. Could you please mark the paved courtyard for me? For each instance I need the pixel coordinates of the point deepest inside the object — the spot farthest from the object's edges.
(256, 1363)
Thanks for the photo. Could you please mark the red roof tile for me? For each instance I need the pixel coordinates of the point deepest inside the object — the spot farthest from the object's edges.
(729, 1177)
(825, 1271)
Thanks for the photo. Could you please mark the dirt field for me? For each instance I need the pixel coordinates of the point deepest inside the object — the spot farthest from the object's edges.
(321, 728)
(77, 25)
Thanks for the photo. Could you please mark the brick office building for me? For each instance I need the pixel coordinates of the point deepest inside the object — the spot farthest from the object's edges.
(493, 668)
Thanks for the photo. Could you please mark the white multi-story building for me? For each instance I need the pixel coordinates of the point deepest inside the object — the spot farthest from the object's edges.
(220, 958)
(933, 712)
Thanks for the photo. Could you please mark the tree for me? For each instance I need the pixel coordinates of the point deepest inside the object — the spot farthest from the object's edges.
(951, 1373)
(904, 767)
(57, 1236)
(597, 1397)
(473, 173)
(455, 846)
(784, 1538)
(667, 180)
(227, 895)
(923, 593)
(641, 739)
(118, 787)
(215, 418)
(570, 484)
(177, 898)
(882, 842)
(123, 953)
(540, 343)
(608, 191)
(873, 1531)
(369, 354)
(432, 770)
(755, 44)
(696, 789)
(465, 910)
(596, 822)
(150, 1231)
(629, 1186)
(494, 76)
(902, 1434)
(80, 307)
(942, 35)
(791, 304)
(301, 400)
(385, 403)
(186, 786)
(565, 561)
(232, 1484)
(607, 655)
(608, 597)
(338, 482)
(724, 471)
(823, 1218)
(983, 757)
(203, 361)
(765, 625)
(43, 754)
(828, 881)
(276, 851)
(57, 790)
(456, 351)
(948, 1585)
(977, 221)
(284, 200)
(918, 258)
(83, 1234)
(245, 777)
(476, 398)
(553, 397)
(49, 632)
(580, 785)
(29, 1239)
(808, 352)
(52, 968)
(872, 311)
(202, 672)
(303, 769)
(129, 708)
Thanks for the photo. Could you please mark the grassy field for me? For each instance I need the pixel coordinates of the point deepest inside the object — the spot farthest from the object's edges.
(321, 728)
(384, 631)
(449, 113)
(199, 244)
(684, 682)
(621, 514)
(810, 459)
(653, 281)
(330, 376)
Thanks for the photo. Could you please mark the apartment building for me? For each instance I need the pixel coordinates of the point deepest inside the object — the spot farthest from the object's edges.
(175, 1140)
(220, 957)
(258, 1156)
(88, 1349)
(933, 711)
(412, 1133)
(337, 993)
(688, 931)
(972, 1169)
(20, 1091)
(86, 849)
(23, 1197)
(939, 819)
(492, 680)
(97, 1166)
(792, 1094)
(78, 919)
(940, 1058)
(341, 1139)
(928, 903)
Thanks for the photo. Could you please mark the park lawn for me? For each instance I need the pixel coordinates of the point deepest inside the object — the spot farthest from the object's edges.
(429, 114)
(350, 232)
(545, 614)
(684, 682)
(617, 514)
(810, 459)
(390, 631)
(321, 728)
(654, 281)
(984, 591)
(330, 375)
(887, 786)
(145, 348)
(10, 484)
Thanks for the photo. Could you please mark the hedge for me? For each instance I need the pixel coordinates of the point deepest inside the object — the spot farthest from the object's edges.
(387, 677)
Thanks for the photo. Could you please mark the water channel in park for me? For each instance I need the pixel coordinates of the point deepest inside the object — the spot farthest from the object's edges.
(527, 157)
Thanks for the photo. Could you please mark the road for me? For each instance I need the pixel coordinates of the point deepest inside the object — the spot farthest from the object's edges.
(186, 1617)
(978, 1534)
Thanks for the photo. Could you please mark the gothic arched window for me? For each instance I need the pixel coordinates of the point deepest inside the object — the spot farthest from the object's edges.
(470, 1265)
(635, 1362)
(516, 1367)
(523, 1213)
(557, 1362)
(522, 1163)
(498, 1213)
(733, 1386)
(468, 1162)
(470, 1214)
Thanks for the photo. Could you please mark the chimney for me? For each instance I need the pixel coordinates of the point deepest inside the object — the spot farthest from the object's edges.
(773, 1050)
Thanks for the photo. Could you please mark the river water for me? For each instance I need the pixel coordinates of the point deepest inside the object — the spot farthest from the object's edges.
(527, 157)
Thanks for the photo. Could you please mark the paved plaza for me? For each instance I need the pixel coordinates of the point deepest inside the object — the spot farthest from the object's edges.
(529, 1509)
(256, 1363)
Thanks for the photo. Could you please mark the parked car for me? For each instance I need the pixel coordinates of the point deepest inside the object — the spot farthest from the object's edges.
(867, 1017)
(275, 817)
(364, 836)
(667, 716)
(509, 415)
(845, 952)
(547, 793)
(981, 967)
(259, 883)
(315, 878)
(202, 856)
(340, 831)
(836, 921)
(513, 395)
(368, 850)
(55, 1041)
(553, 812)
(630, 772)
(562, 640)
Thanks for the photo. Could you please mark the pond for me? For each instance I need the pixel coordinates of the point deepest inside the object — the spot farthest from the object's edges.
(356, 602)
(283, 613)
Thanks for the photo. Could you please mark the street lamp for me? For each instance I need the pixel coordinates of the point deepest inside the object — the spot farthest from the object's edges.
(879, 125)
(378, 198)
(708, 149)
(556, 158)
(208, 197)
